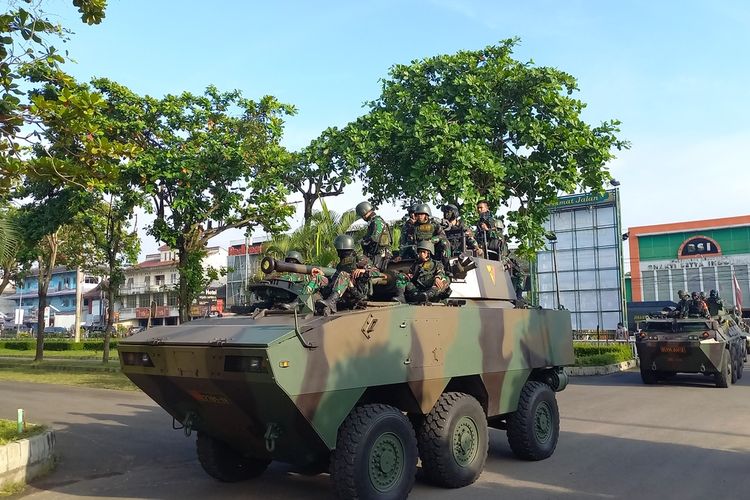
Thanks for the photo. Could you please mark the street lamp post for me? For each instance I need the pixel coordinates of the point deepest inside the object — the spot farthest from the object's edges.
(552, 238)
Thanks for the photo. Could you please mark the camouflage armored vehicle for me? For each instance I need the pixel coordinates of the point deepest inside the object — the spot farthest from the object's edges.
(709, 346)
(363, 393)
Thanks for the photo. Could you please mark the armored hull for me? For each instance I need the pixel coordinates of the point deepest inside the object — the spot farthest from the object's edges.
(712, 347)
(286, 385)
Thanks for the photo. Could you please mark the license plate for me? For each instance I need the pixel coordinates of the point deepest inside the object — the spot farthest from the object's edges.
(673, 349)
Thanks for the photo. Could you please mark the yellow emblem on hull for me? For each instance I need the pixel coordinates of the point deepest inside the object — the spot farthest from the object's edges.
(491, 270)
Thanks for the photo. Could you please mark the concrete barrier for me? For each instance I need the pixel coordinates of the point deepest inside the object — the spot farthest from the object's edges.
(23, 460)
(584, 371)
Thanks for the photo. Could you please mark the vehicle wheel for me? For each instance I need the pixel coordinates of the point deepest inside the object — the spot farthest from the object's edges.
(224, 463)
(453, 441)
(648, 377)
(722, 378)
(533, 429)
(376, 454)
(740, 369)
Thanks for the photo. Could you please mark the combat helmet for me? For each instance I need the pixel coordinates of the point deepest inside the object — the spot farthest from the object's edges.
(363, 208)
(422, 208)
(426, 245)
(343, 242)
(294, 256)
(450, 209)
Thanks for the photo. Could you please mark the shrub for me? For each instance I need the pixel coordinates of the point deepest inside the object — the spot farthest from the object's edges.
(57, 345)
(604, 354)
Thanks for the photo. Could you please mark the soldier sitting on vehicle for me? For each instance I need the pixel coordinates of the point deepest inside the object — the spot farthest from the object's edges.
(697, 307)
(428, 229)
(406, 240)
(714, 303)
(460, 237)
(350, 283)
(426, 280)
(683, 305)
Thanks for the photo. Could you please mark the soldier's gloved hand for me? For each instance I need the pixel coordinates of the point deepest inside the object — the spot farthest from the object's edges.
(480, 252)
(316, 271)
(420, 297)
(440, 283)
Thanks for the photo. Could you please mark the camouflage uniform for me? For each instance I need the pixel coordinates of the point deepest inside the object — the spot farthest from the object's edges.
(714, 303)
(431, 231)
(458, 235)
(419, 284)
(342, 287)
(684, 303)
(406, 241)
(376, 244)
(698, 307)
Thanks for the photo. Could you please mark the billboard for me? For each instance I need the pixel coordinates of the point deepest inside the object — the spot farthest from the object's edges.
(582, 271)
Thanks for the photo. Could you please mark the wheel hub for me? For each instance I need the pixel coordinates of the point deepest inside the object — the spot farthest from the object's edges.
(543, 422)
(386, 461)
(465, 441)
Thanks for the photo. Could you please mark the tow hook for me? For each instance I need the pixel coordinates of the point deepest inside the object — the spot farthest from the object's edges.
(653, 366)
(272, 434)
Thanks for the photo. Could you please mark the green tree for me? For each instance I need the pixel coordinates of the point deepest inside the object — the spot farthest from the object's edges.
(9, 241)
(110, 243)
(26, 40)
(208, 163)
(480, 124)
(321, 169)
(314, 240)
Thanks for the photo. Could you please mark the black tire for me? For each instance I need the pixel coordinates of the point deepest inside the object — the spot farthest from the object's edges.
(534, 428)
(649, 377)
(224, 463)
(734, 368)
(453, 441)
(740, 368)
(723, 377)
(369, 433)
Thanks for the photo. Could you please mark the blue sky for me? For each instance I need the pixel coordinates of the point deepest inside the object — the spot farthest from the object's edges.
(675, 73)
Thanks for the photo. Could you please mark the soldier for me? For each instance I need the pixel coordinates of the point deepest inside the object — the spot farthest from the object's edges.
(406, 240)
(684, 303)
(376, 244)
(426, 280)
(698, 307)
(489, 239)
(428, 229)
(714, 303)
(459, 236)
(294, 257)
(350, 282)
(483, 209)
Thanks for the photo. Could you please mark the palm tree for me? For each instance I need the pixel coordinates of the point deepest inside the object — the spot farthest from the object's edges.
(314, 240)
(9, 240)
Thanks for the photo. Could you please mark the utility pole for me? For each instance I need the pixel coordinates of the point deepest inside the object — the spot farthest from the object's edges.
(79, 295)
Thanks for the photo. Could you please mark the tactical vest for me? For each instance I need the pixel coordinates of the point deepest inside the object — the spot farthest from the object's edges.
(424, 274)
(385, 237)
(424, 231)
(348, 263)
(455, 235)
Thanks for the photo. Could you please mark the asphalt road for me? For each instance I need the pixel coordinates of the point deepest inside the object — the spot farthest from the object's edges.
(620, 439)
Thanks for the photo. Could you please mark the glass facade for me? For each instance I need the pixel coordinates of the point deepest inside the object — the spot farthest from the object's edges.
(588, 255)
(663, 284)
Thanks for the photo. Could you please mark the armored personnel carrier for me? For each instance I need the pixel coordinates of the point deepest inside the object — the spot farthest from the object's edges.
(710, 346)
(366, 392)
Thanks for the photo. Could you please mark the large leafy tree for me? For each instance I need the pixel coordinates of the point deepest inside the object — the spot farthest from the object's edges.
(321, 169)
(480, 124)
(27, 38)
(208, 163)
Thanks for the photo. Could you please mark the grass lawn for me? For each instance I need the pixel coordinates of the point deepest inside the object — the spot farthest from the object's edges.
(83, 373)
(29, 354)
(9, 431)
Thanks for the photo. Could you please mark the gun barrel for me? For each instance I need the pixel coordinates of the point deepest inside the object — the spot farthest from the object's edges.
(269, 265)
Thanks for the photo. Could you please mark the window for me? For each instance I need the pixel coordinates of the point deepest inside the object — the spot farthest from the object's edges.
(160, 280)
(147, 280)
(585, 239)
(65, 302)
(130, 283)
(605, 216)
(172, 300)
(174, 278)
(130, 301)
(563, 221)
(584, 218)
(588, 301)
(606, 236)
(159, 299)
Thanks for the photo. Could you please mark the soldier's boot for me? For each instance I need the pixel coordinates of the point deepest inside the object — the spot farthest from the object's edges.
(328, 306)
(400, 296)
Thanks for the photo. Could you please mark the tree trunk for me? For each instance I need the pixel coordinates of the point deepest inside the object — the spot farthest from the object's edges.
(183, 305)
(110, 322)
(40, 321)
(309, 201)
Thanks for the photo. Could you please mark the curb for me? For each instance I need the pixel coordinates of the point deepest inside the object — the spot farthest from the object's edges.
(587, 371)
(23, 460)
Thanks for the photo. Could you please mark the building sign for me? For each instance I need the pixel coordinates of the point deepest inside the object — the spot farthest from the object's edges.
(255, 249)
(583, 199)
(142, 312)
(698, 245)
(696, 262)
(161, 312)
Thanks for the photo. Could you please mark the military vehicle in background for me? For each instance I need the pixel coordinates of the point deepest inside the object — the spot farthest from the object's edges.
(668, 345)
(363, 393)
